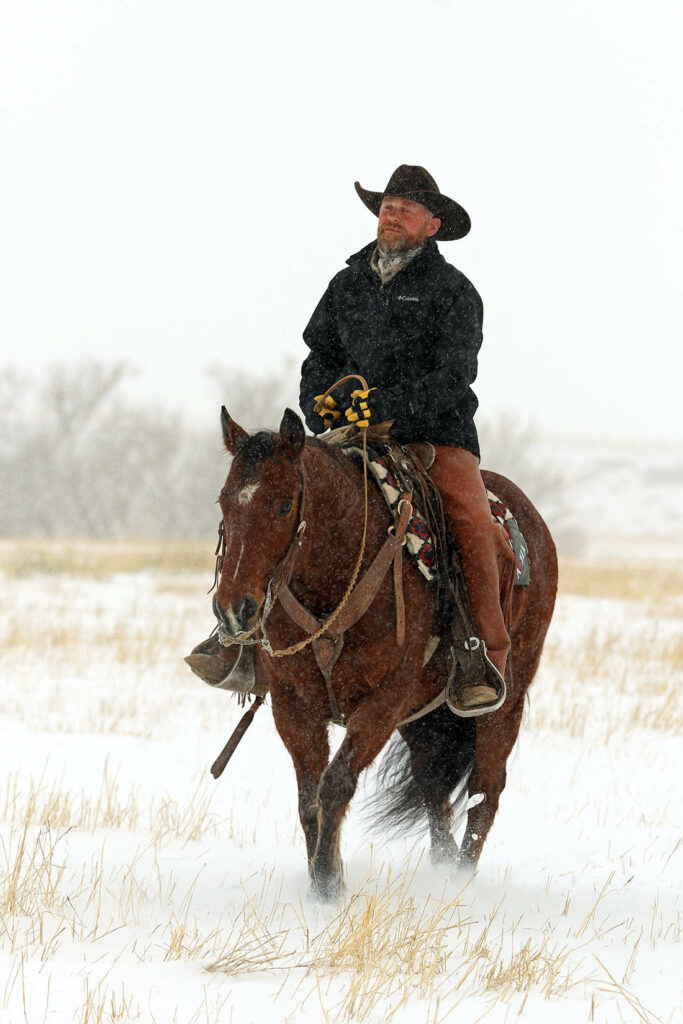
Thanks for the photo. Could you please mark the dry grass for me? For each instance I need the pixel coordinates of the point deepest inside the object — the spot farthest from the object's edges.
(100, 559)
(48, 805)
(391, 948)
(620, 666)
(30, 876)
(104, 1005)
(628, 678)
(124, 639)
(658, 585)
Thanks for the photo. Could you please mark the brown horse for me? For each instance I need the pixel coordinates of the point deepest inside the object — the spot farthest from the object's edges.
(275, 484)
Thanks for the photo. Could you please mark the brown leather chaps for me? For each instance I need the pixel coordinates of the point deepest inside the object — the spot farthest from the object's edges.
(484, 550)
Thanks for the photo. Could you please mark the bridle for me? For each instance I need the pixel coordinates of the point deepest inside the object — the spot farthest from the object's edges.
(280, 576)
(283, 573)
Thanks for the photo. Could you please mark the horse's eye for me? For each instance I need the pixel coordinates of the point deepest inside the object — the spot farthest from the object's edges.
(285, 508)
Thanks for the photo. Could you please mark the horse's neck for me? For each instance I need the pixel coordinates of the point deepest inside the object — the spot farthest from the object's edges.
(333, 512)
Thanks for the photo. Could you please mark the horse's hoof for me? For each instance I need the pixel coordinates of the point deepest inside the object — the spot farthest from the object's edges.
(462, 870)
(330, 890)
(444, 854)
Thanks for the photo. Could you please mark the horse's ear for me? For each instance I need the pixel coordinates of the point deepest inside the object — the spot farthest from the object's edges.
(233, 435)
(292, 433)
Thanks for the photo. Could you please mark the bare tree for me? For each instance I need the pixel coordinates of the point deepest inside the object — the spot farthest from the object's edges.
(257, 401)
(83, 462)
(513, 447)
(77, 459)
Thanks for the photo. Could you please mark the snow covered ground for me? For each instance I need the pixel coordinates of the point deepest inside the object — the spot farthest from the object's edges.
(136, 888)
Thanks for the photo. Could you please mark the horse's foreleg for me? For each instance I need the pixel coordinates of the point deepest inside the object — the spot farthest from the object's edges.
(337, 786)
(308, 782)
(496, 735)
(367, 731)
(305, 737)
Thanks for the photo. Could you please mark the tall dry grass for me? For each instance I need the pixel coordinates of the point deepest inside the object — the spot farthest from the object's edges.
(100, 559)
(650, 583)
(46, 803)
(392, 948)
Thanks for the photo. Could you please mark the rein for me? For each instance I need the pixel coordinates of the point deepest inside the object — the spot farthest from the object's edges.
(295, 648)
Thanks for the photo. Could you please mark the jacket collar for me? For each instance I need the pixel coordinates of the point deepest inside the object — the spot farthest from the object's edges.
(429, 254)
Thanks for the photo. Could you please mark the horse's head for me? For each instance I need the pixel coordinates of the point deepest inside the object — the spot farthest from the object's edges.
(261, 505)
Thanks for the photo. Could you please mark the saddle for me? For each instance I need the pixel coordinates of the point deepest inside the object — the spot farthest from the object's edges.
(399, 471)
(404, 469)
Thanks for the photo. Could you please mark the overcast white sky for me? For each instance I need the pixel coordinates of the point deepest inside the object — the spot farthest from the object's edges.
(177, 186)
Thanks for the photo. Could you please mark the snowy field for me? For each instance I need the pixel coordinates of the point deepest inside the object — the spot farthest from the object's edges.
(136, 888)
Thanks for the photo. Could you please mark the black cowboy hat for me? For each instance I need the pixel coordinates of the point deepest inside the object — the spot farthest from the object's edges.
(411, 182)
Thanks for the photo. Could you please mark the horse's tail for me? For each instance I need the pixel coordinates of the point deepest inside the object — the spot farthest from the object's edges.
(430, 762)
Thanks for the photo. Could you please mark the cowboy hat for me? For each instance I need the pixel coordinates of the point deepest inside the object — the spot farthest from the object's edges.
(412, 182)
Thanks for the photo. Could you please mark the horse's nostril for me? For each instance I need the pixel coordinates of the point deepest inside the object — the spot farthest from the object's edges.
(237, 618)
(217, 610)
(245, 610)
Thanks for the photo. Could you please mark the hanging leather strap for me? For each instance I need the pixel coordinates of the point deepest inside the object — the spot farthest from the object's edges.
(365, 591)
(398, 598)
(328, 646)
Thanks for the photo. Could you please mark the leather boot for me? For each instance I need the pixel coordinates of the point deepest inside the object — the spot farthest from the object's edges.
(456, 475)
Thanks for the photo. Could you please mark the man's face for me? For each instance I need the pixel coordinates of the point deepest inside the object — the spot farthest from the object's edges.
(404, 224)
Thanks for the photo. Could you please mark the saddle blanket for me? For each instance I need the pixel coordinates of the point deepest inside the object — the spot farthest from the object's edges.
(419, 542)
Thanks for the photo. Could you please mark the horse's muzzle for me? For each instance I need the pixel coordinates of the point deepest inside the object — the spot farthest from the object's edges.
(239, 618)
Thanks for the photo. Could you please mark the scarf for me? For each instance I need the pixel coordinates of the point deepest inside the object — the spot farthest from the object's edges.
(388, 264)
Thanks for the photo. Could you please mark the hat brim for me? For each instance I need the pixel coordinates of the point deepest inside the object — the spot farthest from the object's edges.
(455, 220)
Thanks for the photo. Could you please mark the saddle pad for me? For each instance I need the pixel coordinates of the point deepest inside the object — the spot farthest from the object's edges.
(419, 542)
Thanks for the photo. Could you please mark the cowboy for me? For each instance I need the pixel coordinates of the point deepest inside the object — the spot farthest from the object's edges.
(411, 325)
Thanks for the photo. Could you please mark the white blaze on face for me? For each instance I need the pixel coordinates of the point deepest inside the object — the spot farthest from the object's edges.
(234, 575)
(247, 493)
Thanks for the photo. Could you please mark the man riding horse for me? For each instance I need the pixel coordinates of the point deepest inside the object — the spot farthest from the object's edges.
(411, 325)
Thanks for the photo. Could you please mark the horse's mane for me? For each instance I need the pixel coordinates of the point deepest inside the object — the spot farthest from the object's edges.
(255, 448)
(262, 445)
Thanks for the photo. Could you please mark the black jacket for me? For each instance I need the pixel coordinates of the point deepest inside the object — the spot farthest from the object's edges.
(416, 338)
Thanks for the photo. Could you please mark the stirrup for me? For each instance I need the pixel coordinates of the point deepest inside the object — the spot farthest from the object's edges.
(484, 695)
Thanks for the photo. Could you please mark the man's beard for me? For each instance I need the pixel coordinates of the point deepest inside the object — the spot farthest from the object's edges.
(401, 240)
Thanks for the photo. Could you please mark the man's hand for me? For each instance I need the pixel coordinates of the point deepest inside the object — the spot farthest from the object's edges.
(329, 412)
(363, 407)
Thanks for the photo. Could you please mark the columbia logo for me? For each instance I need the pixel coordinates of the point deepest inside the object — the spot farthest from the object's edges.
(408, 298)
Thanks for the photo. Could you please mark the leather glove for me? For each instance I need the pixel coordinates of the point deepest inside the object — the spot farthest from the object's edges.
(367, 405)
(329, 413)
